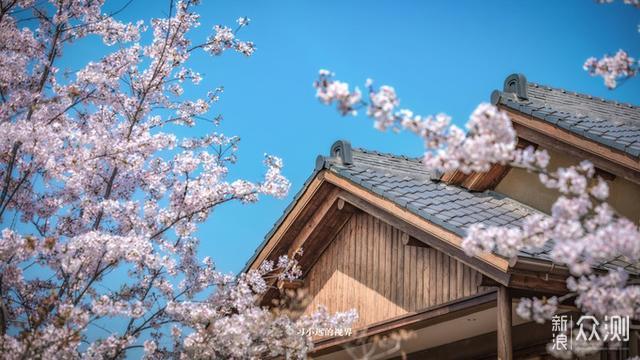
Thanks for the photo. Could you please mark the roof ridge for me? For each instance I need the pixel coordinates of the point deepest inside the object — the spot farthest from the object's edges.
(584, 95)
(395, 156)
(506, 198)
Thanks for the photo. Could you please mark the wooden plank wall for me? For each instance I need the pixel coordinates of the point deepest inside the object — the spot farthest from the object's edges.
(367, 267)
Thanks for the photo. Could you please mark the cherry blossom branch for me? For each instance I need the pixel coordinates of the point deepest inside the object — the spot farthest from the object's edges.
(490, 138)
(616, 69)
(8, 172)
(93, 178)
(613, 69)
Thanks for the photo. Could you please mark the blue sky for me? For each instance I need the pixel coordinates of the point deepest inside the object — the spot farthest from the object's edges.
(441, 56)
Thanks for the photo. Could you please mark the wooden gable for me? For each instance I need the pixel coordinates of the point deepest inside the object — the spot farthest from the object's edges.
(328, 203)
(399, 270)
(368, 267)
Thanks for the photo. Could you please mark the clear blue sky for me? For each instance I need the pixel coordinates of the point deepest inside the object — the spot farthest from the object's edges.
(441, 56)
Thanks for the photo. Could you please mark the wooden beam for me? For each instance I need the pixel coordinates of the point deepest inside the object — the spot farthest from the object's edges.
(320, 212)
(455, 177)
(554, 138)
(605, 175)
(290, 284)
(505, 345)
(323, 227)
(429, 316)
(539, 283)
(486, 180)
(411, 241)
(314, 187)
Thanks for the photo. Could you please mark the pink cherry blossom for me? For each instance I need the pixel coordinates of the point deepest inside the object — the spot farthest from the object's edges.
(538, 310)
(109, 199)
(635, 3)
(489, 139)
(612, 68)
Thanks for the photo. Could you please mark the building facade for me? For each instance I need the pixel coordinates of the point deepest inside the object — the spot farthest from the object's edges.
(383, 235)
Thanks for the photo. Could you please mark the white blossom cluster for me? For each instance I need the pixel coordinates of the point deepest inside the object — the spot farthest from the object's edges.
(612, 68)
(607, 294)
(225, 38)
(538, 310)
(230, 323)
(330, 91)
(635, 3)
(583, 228)
(102, 199)
(489, 139)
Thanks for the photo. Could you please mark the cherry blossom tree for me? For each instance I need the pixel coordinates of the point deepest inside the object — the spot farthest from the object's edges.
(100, 201)
(617, 68)
(583, 228)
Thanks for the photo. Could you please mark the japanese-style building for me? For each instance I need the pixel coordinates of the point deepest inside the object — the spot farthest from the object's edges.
(382, 234)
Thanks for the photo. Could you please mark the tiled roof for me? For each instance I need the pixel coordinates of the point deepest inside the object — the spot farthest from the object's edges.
(610, 123)
(406, 182)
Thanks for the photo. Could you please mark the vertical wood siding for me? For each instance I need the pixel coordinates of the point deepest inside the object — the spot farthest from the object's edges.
(367, 267)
